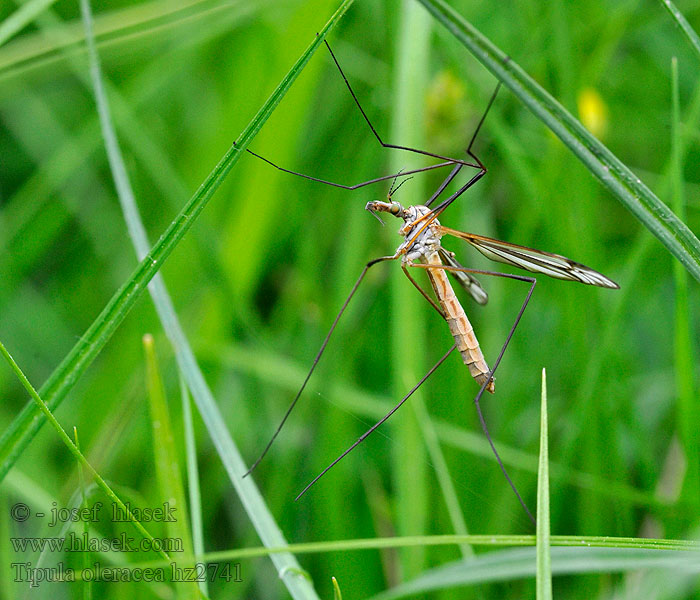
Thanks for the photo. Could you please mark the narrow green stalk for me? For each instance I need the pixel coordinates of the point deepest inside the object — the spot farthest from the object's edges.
(166, 461)
(544, 559)
(681, 21)
(337, 595)
(195, 500)
(670, 547)
(407, 329)
(42, 406)
(87, 585)
(684, 358)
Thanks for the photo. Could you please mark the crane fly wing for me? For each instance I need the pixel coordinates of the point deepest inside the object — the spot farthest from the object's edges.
(466, 280)
(537, 261)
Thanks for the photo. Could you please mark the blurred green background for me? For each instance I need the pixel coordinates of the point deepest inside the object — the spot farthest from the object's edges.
(260, 277)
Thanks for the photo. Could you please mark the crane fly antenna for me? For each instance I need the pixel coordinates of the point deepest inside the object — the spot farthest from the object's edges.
(393, 189)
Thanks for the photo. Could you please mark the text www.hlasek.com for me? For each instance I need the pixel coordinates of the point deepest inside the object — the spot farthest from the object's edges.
(84, 543)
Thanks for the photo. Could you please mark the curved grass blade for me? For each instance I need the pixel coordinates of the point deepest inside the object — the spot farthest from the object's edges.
(16, 437)
(192, 377)
(22, 17)
(48, 415)
(519, 563)
(624, 185)
(683, 24)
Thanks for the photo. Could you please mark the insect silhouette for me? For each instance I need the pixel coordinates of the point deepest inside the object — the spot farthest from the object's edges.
(422, 248)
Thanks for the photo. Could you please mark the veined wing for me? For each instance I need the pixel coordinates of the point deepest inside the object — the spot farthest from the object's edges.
(466, 280)
(533, 260)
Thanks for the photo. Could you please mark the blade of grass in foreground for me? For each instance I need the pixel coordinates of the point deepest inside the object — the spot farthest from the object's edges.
(544, 558)
(624, 185)
(519, 563)
(21, 18)
(684, 25)
(41, 405)
(286, 564)
(195, 504)
(166, 463)
(16, 437)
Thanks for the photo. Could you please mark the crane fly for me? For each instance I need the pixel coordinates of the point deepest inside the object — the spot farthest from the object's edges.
(422, 243)
(422, 248)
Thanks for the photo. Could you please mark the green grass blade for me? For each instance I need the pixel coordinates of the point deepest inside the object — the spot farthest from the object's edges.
(195, 504)
(42, 406)
(267, 528)
(677, 547)
(624, 185)
(684, 25)
(684, 358)
(407, 329)
(166, 461)
(87, 585)
(22, 17)
(544, 558)
(518, 563)
(337, 595)
(16, 437)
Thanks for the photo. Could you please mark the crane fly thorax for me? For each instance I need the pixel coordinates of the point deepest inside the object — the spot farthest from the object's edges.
(421, 236)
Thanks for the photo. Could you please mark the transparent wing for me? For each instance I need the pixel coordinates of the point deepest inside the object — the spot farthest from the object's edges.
(466, 280)
(537, 261)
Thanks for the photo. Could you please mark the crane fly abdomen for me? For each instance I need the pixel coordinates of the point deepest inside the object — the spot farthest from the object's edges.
(459, 324)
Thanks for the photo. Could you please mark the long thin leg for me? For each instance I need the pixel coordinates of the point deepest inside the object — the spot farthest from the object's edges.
(374, 131)
(367, 433)
(458, 167)
(423, 292)
(318, 357)
(480, 393)
(433, 214)
(449, 161)
(357, 185)
(532, 281)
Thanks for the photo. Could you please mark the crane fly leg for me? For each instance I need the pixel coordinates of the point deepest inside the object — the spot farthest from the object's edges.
(317, 358)
(532, 281)
(367, 433)
(423, 292)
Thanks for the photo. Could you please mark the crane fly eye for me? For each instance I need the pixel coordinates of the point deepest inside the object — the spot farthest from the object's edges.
(395, 208)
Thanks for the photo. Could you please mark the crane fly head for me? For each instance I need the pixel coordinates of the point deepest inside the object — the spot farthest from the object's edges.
(393, 208)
